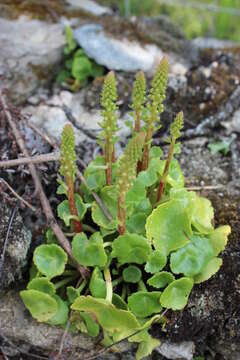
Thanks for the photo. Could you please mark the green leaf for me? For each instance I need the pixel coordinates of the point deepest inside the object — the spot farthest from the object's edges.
(81, 68)
(41, 306)
(132, 274)
(156, 152)
(95, 174)
(210, 269)
(117, 322)
(136, 193)
(51, 237)
(97, 285)
(71, 43)
(146, 348)
(131, 248)
(64, 213)
(202, 215)
(108, 196)
(62, 76)
(168, 227)
(61, 315)
(161, 279)
(193, 257)
(119, 302)
(175, 296)
(42, 284)
(50, 260)
(220, 146)
(91, 326)
(97, 70)
(156, 262)
(89, 252)
(175, 176)
(144, 304)
(72, 294)
(219, 238)
(136, 223)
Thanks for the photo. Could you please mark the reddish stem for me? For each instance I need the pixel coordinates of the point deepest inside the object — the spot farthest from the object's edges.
(72, 205)
(146, 150)
(165, 171)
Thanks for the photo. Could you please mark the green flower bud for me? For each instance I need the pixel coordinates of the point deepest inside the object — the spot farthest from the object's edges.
(177, 125)
(68, 153)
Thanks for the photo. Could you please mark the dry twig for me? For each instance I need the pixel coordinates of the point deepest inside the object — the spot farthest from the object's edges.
(18, 196)
(39, 190)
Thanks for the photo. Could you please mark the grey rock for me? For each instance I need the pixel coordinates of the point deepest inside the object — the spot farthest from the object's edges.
(184, 350)
(17, 247)
(212, 43)
(51, 118)
(116, 54)
(89, 6)
(233, 125)
(18, 326)
(30, 53)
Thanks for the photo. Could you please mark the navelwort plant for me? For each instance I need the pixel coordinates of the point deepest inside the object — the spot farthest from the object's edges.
(159, 242)
(78, 67)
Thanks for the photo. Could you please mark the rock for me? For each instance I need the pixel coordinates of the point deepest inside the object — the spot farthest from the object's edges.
(52, 115)
(233, 125)
(30, 53)
(212, 43)
(184, 350)
(18, 326)
(90, 6)
(118, 54)
(17, 247)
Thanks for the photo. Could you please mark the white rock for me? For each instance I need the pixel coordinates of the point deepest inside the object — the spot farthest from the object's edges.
(30, 50)
(184, 350)
(89, 6)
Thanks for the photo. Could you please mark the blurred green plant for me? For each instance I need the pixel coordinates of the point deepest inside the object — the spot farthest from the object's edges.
(78, 67)
(152, 251)
(194, 21)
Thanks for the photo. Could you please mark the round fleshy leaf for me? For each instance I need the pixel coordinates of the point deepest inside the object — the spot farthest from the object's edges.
(119, 302)
(132, 274)
(117, 322)
(175, 296)
(168, 227)
(193, 257)
(202, 215)
(97, 285)
(144, 304)
(72, 294)
(89, 252)
(131, 248)
(43, 285)
(50, 260)
(61, 315)
(219, 238)
(210, 269)
(156, 262)
(91, 325)
(136, 223)
(41, 306)
(64, 213)
(161, 279)
(175, 176)
(108, 196)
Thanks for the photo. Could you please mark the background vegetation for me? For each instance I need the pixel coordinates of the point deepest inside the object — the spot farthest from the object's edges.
(195, 21)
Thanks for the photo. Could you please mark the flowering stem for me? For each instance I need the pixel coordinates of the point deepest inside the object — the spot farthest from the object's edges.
(72, 205)
(165, 171)
(108, 279)
(121, 214)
